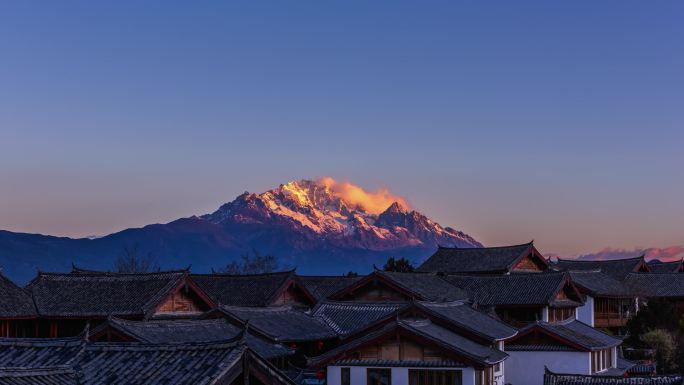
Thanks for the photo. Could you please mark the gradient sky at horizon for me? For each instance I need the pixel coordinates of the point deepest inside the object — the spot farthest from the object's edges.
(561, 122)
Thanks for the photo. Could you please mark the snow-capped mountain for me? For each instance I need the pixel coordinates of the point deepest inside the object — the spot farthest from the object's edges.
(315, 211)
(319, 227)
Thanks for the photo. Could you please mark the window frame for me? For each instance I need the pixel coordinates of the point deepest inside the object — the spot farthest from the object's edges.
(345, 380)
(385, 370)
(432, 376)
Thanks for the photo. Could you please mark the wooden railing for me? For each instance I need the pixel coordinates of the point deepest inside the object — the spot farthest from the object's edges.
(611, 319)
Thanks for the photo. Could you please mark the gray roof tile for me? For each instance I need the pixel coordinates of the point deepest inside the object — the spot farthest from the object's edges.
(39, 352)
(14, 301)
(192, 331)
(99, 294)
(666, 267)
(322, 287)
(243, 290)
(598, 283)
(656, 284)
(617, 268)
(446, 339)
(464, 316)
(428, 286)
(576, 332)
(281, 323)
(511, 289)
(53, 375)
(349, 317)
(578, 379)
(127, 363)
(474, 260)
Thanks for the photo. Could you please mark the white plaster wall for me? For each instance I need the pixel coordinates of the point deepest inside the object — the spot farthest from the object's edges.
(545, 314)
(358, 375)
(527, 368)
(333, 376)
(399, 375)
(585, 313)
(468, 376)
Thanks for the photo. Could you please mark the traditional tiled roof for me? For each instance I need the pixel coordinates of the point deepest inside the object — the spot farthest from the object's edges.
(579, 379)
(349, 317)
(53, 375)
(666, 267)
(668, 285)
(182, 331)
(617, 268)
(455, 344)
(245, 290)
(473, 350)
(598, 283)
(475, 260)
(464, 316)
(39, 352)
(514, 289)
(400, 364)
(134, 363)
(574, 334)
(420, 286)
(14, 301)
(281, 323)
(100, 294)
(428, 286)
(104, 363)
(322, 287)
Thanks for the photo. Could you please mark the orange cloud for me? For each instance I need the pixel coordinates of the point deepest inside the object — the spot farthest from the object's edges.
(664, 254)
(374, 202)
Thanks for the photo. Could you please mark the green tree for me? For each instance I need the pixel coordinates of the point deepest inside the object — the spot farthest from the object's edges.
(663, 343)
(401, 265)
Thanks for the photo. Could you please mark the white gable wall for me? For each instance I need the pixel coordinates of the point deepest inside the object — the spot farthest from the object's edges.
(399, 375)
(585, 313)
(527, 367)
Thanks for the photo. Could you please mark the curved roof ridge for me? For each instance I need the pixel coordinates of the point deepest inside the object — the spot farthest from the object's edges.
(30, 341)
(516, 274)
(127, 346)
(672, 273)
(562, 322)
(356, 303)
(458, 302)
(599, 260)
(408, 272)
(95, 273)
(216, 274)
(597, 270)
(262, 309)
(530, 243)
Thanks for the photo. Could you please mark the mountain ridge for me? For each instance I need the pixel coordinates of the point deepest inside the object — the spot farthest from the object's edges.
(320, 226)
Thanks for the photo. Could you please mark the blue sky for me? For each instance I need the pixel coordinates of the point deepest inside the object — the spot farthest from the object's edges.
(558, 121)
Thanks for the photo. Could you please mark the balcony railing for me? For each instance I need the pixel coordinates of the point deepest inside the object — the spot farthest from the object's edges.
(611, 319)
